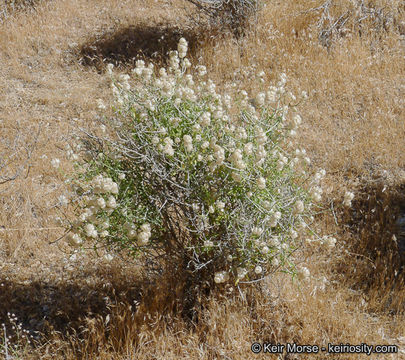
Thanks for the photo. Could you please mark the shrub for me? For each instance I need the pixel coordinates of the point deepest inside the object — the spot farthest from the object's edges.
(234, 15)
(196, 183)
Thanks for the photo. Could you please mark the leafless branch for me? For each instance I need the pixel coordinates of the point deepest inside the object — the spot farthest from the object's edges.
(20, 147)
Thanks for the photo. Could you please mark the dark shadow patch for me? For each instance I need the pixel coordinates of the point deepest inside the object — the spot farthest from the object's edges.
(125, 46)
(43, 307)
(91, 309)
(377, 215)
(376, 228)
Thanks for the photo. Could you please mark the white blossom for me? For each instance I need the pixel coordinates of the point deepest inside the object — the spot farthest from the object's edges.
(208, 243)
(201, 70)
(241, 272)
(55, 163)
(261, 137)
(168, 149)
(188, 142)
(220, 205)
(108, 257)
(275, 217)
(111, 202)
(257, 231)
(298, 207)
(271, 95)
(146, 228)
(349, 196)
(182, 48)
(297, 120)
(143, 237)
(205, 119)
(260, 98)
(186, 63)
(261, 183)
(258, 269)
(265, 250)
(221, 277)
(114, 188)
(90, 230)
(266, 204)
(75, 240)
(248, 148)
(274, 241)
(101, 203)
(100, 104)
(63, 200)
(110, 68)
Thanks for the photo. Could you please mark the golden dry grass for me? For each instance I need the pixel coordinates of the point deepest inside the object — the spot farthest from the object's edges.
(354, 127)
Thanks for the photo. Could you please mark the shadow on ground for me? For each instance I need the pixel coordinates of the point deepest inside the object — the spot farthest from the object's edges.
(42, 306)
(126, 45)
(376, 224)
(378, 215)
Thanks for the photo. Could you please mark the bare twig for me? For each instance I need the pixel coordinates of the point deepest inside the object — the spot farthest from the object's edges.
(11, 153)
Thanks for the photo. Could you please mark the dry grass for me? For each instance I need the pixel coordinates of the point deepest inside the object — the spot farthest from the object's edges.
(350, 60)
(354, 115)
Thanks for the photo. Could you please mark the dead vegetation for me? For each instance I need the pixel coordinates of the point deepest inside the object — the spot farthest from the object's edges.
(347, 55)
(236, 16)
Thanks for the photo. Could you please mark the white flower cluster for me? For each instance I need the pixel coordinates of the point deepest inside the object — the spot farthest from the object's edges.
(142, 235)
(75, 240)
(347, 201)
(241, 272)
(103, 185)
(316, 193)
(188, 143)
(55, 163)
(100, 199)
(298, 207)
(316, 190)
(182, 48)
(168, 146)
(140, 70)
(221, 277)
(100, 104)
(325, 241)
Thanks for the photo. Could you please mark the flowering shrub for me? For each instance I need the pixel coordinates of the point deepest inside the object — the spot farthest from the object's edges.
(193, 179)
